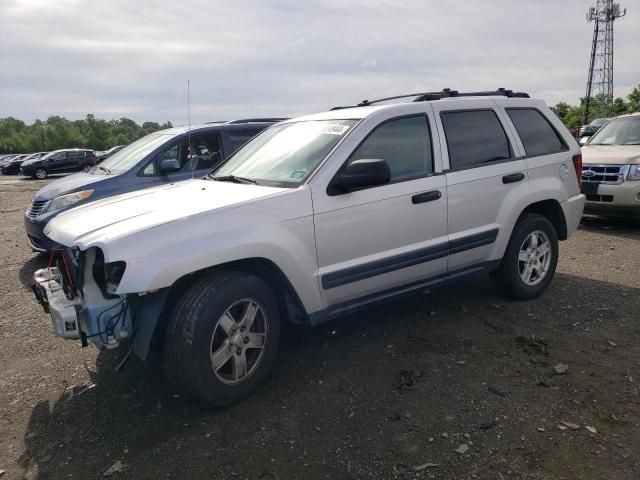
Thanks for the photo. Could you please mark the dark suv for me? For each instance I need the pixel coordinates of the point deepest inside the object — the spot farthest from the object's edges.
(59, 161)
(162, 157)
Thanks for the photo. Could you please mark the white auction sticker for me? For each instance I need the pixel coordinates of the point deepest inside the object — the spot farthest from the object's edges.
(334, 129)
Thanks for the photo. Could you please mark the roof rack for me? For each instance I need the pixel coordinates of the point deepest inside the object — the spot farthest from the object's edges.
(445, 93)
(258, 120)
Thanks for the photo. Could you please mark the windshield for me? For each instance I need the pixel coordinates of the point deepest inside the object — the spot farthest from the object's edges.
(598, 122)
(129, 156)
(620, 131)
(285, 155)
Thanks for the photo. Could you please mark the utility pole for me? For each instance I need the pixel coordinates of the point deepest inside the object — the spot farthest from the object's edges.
(600, 76)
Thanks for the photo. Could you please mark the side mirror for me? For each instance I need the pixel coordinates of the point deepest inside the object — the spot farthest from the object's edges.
(169, 165)
(366, 172)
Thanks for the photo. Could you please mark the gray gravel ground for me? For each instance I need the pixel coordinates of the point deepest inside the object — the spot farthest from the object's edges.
(391, 392)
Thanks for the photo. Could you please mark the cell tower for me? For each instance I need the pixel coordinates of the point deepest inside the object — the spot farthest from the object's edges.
(600, 76)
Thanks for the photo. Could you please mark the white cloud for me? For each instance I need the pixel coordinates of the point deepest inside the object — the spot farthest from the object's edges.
(286, 57)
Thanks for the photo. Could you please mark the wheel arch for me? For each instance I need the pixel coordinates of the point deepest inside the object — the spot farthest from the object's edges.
(290, 304)
(552, 210)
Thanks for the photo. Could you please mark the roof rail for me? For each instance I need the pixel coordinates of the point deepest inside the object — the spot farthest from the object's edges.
(445, 93)
(258, 120)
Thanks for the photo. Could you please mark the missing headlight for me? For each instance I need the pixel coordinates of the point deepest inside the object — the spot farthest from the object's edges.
(107, 275)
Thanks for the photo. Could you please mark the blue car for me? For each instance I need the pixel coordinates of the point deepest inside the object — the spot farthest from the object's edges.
(162, 157)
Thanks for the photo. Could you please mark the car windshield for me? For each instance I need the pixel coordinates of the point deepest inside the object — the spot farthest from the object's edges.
(286, 154)
(128, 157)
(598, 122)
(620, 131)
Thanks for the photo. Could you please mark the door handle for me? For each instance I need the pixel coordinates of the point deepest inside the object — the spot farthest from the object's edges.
(426, 196)
(513, 178)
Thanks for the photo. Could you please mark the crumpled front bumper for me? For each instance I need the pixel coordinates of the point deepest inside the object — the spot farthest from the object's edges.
(48, 290)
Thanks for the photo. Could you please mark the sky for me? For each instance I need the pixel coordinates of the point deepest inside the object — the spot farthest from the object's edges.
(249, 58)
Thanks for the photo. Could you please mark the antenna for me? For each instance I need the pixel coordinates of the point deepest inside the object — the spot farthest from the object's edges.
(189, 127)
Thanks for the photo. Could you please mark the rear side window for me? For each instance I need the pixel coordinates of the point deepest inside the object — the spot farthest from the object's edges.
(537, 135)
(239, 137)
(404, 143)
(474, 137)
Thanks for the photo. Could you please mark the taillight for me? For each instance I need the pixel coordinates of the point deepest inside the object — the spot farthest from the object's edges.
(577, 164)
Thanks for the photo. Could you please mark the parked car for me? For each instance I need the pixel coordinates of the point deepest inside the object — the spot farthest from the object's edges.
(12, 167)
(315, 218)
(587, 131)
(611, 169)
(158, 158)
(59, 161)
(101, 156)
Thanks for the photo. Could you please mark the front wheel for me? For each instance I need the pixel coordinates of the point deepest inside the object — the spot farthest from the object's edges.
(40, 174)
(222, 338)
(530, 260)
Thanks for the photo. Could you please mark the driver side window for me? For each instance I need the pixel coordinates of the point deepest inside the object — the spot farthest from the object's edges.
(198, 152)
(404, 143)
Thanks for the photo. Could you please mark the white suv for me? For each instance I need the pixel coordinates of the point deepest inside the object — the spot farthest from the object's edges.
(315, 218)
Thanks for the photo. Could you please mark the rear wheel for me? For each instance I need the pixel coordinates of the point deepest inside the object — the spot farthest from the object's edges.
(530, 260)
(222, 338)
(40, 174)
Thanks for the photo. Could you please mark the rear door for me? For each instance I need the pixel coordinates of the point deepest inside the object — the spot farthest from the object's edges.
(485, 178)
(74, 160)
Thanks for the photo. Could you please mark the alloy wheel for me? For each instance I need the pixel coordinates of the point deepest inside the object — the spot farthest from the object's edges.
(534, 257)
(238, 341)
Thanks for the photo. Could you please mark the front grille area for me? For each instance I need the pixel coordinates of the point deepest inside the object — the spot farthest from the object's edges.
(612, 174)
(36, 208)
(600, 198)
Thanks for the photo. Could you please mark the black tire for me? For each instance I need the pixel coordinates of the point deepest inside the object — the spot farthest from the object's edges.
(40, 173)
(507, 277)
(191, 330)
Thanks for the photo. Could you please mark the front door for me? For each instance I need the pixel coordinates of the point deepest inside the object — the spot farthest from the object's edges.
(372, 241)
(196, 154)
(57, 162)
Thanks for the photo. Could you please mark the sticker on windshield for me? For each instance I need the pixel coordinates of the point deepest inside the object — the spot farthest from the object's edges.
(334, 129)
(298, 174)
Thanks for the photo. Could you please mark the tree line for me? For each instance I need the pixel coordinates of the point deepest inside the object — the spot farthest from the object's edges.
(571, 115)
(91, 132)
(58, 132)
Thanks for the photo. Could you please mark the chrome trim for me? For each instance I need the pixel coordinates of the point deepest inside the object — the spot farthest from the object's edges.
(605, 171)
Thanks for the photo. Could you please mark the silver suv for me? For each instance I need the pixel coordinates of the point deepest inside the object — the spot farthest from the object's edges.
(314, 218)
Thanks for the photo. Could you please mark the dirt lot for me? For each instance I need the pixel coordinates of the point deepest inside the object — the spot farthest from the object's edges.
(389, 393)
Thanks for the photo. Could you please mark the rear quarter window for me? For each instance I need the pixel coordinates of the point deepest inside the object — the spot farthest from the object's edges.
(536, 133)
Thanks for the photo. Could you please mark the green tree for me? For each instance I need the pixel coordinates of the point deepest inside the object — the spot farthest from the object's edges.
(633, 100)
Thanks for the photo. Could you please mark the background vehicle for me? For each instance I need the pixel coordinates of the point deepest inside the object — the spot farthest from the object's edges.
(12, 167)
(611, 168)
(101, 156)
(315, 218)
(162, 157)
(588, 130)
(59, 161)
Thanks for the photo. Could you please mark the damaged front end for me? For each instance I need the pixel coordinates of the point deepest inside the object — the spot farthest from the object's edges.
(78, 290)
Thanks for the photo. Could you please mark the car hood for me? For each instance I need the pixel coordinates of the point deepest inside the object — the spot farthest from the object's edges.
(126, 214)
(611, 154)
(72, 183)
